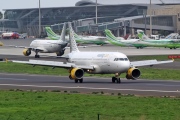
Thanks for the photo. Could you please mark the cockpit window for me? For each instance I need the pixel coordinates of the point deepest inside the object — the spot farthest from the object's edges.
(121, 59)
(126, 59)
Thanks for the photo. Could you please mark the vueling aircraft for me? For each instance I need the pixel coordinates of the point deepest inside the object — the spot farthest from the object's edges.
(96, 63)
(46, 46)
(98, 40)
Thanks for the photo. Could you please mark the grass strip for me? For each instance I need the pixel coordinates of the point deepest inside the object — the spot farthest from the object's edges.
(29, 105)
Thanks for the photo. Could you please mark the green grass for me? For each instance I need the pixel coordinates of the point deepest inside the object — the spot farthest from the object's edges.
(146, 73)
(23, 105)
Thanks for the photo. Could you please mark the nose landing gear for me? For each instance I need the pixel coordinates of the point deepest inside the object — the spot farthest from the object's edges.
(116, 78)
(78, 80)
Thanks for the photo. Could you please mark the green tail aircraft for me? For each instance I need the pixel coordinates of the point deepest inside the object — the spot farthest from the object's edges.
(167, 43)
(142, 42)
(98, 40)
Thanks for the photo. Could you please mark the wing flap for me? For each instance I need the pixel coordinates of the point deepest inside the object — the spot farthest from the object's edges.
(53, 64)
(149, 62)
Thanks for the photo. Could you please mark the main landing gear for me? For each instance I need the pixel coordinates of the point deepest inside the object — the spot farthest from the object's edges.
(78, 80)
(116, 78)
(141, 47)
(173, 47)
(37, 56)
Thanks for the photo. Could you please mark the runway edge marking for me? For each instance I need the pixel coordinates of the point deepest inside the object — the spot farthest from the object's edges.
(90, 88)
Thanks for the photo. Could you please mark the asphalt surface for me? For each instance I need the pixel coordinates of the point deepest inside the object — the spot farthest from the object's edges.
(110, 48)
(39, 82)
(91, 84)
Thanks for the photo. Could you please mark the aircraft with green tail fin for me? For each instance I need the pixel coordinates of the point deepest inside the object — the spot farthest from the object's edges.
(167, 43)
(124, 43)
(142, 42)
(98, 40)
(53, 36)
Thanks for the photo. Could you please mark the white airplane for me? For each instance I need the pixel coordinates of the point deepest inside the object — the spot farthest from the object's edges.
(46, 46)
(96, 63)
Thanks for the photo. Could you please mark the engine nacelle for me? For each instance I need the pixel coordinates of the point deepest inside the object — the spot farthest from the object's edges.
(76, 73)
(26, 52)
(60, 53)
(133, 73)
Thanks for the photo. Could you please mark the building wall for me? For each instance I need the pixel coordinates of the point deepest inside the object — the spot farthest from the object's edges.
(168, 10)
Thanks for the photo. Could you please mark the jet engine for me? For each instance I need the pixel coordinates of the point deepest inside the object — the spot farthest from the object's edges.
(133, 73)
(76, 73)
(60, 53)
(26, 52)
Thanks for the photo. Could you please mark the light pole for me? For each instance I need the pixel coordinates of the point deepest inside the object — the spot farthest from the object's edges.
(39, 18)
(96, 12)
(145, 22)
(3, 22)
(150, 19)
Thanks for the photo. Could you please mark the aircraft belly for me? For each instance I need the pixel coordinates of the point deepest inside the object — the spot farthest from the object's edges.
(113, 68)
(105, 67)
(53, 49)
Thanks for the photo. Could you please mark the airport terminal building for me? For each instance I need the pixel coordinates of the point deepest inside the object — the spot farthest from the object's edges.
(121, 18)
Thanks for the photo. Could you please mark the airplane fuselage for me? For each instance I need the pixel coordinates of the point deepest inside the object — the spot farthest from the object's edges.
(103, 62)
(91, 40)
(48, 46)
(163, 43)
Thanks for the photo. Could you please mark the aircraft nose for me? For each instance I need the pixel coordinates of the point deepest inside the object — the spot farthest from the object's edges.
(125, 65)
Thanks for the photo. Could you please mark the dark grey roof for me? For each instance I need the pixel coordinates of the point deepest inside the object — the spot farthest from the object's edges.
(115, 2)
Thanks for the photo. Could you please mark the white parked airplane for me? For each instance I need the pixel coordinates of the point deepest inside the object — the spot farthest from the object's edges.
(46, 46)
(96, 63)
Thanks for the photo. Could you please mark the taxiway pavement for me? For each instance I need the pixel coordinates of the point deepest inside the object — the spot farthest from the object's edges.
(91, 84)
(110, 48)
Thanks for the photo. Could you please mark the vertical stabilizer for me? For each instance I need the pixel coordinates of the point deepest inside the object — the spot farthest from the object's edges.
(73, 45)
(76, 36)
(110, 36)
(63, 33)
(141, 35)
(51, 34)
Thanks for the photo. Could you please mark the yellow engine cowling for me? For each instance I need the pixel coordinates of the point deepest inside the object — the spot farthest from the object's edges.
(133, 73)
(76, 73)
(26, 52)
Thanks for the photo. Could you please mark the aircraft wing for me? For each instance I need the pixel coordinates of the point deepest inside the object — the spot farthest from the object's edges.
(54, 64)
(78, 47)
(148, 62)
(25, 47)
(16, 46)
